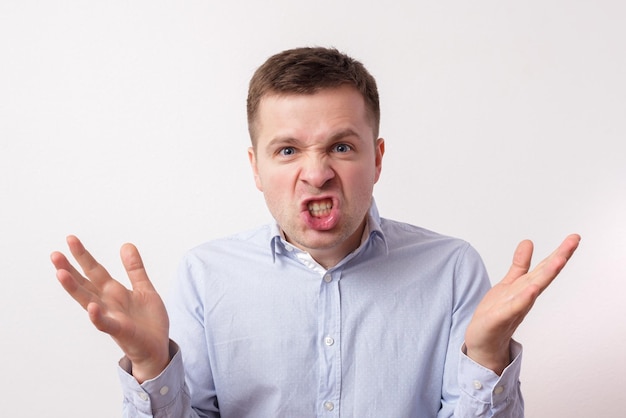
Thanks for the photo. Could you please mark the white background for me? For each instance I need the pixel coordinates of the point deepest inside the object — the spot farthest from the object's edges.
(125, 121)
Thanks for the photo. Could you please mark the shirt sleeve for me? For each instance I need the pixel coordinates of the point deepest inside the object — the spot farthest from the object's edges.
(469, 389)
(484, 393)
(164, 396)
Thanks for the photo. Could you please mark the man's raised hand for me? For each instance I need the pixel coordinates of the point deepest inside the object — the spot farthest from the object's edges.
(136, 319)
(503, 308)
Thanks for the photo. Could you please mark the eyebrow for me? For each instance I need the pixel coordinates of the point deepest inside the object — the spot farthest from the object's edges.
(288, 140)
(344, 133)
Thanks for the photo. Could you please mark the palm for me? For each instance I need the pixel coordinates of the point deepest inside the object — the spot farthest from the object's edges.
(136, 319)
(505, 306)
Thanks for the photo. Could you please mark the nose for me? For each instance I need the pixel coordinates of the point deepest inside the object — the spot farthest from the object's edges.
(316, 171)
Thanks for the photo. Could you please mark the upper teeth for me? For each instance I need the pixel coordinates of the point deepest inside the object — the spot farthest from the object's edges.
(319, 207)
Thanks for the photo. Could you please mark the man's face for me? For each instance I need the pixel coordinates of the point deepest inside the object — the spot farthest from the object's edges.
(316, 162)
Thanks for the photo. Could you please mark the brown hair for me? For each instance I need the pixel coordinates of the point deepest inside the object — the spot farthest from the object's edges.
(306, 71)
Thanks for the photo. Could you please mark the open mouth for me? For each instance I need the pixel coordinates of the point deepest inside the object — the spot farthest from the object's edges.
(320, 208)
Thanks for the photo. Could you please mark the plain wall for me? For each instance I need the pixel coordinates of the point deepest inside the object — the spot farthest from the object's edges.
(125, 121)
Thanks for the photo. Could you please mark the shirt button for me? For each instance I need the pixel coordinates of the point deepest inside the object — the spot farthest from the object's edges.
(329, 341)
(329, 406)
(143, 396)
(328, 278)
(164, 390)
(477, 385)
(498, 390)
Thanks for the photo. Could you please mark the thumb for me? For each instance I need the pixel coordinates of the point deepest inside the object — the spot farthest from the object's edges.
(134, 267)
(521, 261)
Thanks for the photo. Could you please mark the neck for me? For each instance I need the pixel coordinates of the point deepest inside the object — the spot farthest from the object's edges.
(331, 256)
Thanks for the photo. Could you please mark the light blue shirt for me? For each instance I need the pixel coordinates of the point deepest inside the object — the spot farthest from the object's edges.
(265, 331)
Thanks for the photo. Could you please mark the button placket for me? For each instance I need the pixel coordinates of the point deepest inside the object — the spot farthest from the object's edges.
(329, 338)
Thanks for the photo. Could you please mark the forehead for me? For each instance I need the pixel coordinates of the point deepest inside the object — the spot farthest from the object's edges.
(344, 94)
(325, 107)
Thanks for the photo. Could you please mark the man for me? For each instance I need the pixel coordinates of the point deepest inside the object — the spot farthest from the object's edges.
(331, 311)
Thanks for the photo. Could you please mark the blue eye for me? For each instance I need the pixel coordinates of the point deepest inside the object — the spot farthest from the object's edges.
(342, 148)
(287, 151)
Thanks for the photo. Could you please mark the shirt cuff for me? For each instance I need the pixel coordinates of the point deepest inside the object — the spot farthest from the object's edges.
(486, 386)
(157, 393)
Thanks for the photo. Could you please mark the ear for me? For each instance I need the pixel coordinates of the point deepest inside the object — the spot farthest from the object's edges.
(255, 169)
(379, 150)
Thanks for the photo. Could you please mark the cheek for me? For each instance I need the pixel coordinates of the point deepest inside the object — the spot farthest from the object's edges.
(273, 184)
(363, 179)
(268, 178)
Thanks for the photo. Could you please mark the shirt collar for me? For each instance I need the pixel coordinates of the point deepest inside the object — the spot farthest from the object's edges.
(372, 229)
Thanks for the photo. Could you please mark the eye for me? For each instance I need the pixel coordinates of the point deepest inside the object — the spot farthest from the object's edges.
(342, 148)
(287, 151)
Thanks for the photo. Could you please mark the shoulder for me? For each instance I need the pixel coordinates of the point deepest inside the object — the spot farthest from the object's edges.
(255, 241)
(421, 246)
(400, 234)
